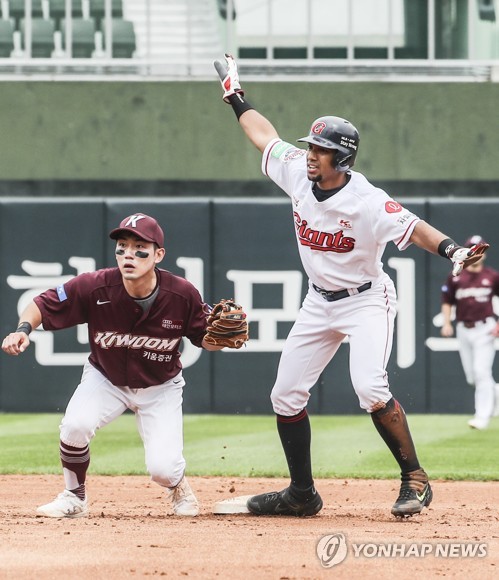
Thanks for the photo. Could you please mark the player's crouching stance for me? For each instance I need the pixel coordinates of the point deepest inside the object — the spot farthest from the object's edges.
(137, 315)
(342, 225)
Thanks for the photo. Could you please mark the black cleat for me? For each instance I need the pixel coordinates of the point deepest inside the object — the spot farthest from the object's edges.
(283, 503)
(415, 494)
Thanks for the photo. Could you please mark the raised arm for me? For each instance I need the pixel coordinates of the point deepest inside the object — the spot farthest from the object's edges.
(258, 128)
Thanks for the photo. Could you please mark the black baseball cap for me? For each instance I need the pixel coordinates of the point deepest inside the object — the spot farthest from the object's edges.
(143, 226)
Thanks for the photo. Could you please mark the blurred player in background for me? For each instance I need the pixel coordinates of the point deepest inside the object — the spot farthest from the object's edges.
(137, 315)
(472, 294)
(342, 226)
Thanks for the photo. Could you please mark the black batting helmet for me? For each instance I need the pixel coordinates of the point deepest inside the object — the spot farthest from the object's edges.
(338, 134)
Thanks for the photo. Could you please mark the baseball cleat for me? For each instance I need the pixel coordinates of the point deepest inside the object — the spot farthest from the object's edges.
(415, 494)
(183, 499)
(283, 503)
(65, 505)
(479, 424)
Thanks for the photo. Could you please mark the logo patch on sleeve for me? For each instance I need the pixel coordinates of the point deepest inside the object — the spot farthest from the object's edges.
(61, 293)
(291, 154)
(392, 207)
(279, 149)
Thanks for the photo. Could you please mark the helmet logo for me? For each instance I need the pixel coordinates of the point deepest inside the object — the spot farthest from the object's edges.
(318, 127)
(348, 142)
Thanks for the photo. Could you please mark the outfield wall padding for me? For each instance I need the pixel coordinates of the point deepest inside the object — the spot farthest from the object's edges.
(244, 249)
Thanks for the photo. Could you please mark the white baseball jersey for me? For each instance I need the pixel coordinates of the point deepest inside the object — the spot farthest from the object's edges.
(341, 240)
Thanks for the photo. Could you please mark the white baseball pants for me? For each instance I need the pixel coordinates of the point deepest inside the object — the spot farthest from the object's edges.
(477, 352)
(367, 319)
(158, 411)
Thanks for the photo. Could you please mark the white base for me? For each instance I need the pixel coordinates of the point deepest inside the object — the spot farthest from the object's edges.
(234, 505)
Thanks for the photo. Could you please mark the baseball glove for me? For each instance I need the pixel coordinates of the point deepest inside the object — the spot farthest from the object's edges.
(227, 325)
(463, 257)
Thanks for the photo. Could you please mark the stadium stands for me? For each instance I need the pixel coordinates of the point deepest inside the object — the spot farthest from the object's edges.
(183, 37)
(57, 11)
(16, 11)
(97, 10)
(49, 30)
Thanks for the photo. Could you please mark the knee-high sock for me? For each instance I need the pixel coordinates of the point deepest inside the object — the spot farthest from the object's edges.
(75, 462)
(391, 424)
(296, 437)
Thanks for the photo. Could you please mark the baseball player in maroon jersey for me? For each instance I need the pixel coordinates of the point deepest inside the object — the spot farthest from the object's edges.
(137, 315)
(342, 225)
(476, 329)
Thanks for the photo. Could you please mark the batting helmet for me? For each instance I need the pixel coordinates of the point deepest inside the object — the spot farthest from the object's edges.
(338, 134)
(472, 240)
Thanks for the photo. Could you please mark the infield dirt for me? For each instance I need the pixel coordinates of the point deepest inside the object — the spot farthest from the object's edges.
(131, 533)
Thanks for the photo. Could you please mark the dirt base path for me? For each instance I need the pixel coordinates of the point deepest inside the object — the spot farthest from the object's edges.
(131, 533)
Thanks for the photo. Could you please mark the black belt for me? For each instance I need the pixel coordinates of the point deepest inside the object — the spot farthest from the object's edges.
(331, 296)
(472, 323)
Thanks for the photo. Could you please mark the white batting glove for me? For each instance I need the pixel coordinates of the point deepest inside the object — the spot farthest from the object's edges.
(463, 257)
(229, 77)
(457, 259)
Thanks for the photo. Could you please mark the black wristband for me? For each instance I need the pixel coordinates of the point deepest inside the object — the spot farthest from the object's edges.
(24, 327)
(446, 246)
(239, 105)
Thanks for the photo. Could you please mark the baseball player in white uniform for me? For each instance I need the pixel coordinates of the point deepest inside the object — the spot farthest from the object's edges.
(343, 224)
(471, 295)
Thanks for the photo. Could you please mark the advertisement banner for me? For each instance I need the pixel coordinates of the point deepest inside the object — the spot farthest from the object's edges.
(242, 249)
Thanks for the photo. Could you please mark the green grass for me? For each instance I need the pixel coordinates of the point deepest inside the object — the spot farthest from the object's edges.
(342, 446)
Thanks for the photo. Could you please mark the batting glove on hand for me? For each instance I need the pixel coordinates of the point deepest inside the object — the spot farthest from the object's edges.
(229, 77)
(463, 257)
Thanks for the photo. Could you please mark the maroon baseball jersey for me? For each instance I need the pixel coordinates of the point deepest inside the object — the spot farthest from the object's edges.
(472, 294)
(130, 347)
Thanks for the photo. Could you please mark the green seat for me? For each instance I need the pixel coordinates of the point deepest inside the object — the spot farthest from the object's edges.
(97, 10)
(123, 38)
(16, 11)
(42, 40)
(6, 38)
(57, 11)
(82, 36)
